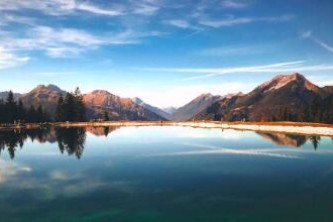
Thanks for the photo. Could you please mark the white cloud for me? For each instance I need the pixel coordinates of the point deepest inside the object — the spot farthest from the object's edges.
(225, 22)
(180, 23)
(308, 35)
(7, 18)
(57, 7)
(234, 4)
(293, 66)
(145, 9)
(183, 24)
(213, 150)
(232, 21)
(233, 50)
(96, 10)
(9, 59)
(65, 42)
(324, 45)
(10, 169)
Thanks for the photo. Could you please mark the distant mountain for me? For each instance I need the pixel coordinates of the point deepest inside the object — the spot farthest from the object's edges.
(217, 110)
(4, 95)
(153, 109)
(170, 110)
(266, 102)
(194, 107)
(118, 108)
(46, 96)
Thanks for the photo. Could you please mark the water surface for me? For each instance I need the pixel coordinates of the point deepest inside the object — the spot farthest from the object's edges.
(164, 174)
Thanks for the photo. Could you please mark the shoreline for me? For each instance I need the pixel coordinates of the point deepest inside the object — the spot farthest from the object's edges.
(315, 129)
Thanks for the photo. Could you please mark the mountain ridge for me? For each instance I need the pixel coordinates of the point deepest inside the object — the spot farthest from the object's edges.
(265, 102)
(292, 93)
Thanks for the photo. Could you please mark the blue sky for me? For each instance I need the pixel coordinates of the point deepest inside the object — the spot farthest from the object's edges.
(164, 51)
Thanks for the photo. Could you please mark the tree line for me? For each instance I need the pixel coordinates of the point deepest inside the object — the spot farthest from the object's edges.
(316, 111)
(69, 108)
(12, 111)
(70, 140)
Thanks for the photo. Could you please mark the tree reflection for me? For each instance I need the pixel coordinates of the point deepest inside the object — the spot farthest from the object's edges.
(12, 139)
(71, 140)
(315, 141)
(106, 131)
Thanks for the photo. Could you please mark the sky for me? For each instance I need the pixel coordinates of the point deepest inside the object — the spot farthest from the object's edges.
(165, 52)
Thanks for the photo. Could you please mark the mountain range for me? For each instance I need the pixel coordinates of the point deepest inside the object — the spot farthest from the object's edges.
(293, 94)
(284, 94)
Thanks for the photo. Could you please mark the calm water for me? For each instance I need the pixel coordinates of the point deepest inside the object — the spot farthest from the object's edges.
(164, 174)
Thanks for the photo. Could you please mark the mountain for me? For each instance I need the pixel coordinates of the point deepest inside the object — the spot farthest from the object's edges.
(293, 94)
(194, 107)
(4, 95)
(217, 109)
(117, 108)
(46, 96)
(153, 109)
(170, 110)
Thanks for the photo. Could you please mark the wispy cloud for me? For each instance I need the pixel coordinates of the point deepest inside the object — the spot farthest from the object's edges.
(325, 45)
(308, 35)
(213, 150)
(145, 9)
(9, 59)
(232, 21)
(292, 66)
(233, 50)
(183, 24)
(58, 7)
(101, 11)
(180, 23)
(7, 18)
(235, 4)
(65, 42)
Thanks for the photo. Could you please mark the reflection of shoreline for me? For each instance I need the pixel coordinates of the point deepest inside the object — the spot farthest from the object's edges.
(101, 131)
(277, 127)
(284, 139)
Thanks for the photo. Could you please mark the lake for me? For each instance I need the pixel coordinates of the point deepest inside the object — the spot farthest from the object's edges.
(164, 174)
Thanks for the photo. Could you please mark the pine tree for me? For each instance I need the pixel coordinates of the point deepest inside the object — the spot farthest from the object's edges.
(40, 114)
(106, 116)
(21, 112)
(80, 109)
(32, 114)
(10, 107)
(71, 108)
(60, 111)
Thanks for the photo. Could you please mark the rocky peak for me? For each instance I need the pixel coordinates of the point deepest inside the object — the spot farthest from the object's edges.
(137, 100)
(100, 92)
(282, 80)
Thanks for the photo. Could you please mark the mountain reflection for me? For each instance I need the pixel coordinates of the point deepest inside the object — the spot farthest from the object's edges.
(70, 140)
(291, 140)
